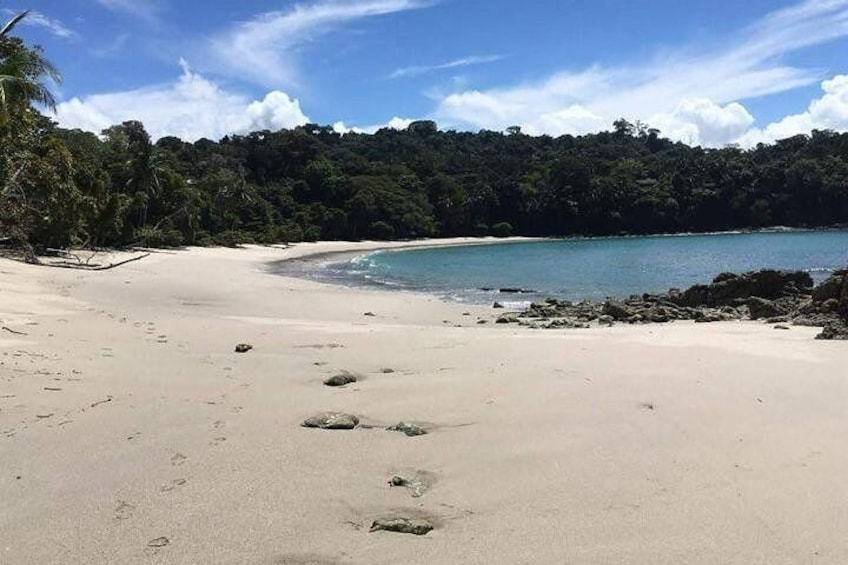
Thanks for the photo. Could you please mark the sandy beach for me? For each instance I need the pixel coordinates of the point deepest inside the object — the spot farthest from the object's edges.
(131, 432)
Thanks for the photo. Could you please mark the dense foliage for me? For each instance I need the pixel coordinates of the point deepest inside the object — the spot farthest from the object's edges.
(67, 187)
(311, 183)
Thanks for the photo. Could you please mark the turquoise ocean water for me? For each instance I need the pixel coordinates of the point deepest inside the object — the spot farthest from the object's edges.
(592, 268)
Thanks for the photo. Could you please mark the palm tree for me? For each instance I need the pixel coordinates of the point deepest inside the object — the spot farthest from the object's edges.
(22, 72)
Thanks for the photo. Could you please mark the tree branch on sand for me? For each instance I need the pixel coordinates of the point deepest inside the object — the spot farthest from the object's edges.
(89, 267)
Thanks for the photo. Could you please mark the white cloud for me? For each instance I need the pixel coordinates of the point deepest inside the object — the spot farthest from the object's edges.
(395, 123)
(695, 95)
(191, 108)
(262, 48)
(419, 70)
(55, 27)
(828, 112)
(701, 121)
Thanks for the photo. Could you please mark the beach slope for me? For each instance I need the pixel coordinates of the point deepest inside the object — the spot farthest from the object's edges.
(132, 432)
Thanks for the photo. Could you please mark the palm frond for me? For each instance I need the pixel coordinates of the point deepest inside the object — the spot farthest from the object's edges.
(20, 73)
(12, 23)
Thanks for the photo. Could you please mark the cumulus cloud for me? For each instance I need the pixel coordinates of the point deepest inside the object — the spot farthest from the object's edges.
(701, 121)
(262, 49)
(191, 108)
(395, 123)
(827, 112)
(694, 96)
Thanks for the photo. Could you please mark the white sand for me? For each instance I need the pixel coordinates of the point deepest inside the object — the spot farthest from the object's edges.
(543, 447)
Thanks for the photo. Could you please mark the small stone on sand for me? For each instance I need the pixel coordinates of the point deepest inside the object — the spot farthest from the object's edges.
(341, 379)
(408, 428)
(243, 347)
(331, 421)
(418, 527)
(158, 542)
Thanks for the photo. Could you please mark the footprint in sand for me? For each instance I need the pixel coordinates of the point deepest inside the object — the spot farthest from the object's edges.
(217, 441)
(219, 424)
(178, 459)
(172, 485)
(124, 511)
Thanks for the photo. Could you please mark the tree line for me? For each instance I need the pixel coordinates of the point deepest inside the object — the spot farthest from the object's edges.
(60, 187)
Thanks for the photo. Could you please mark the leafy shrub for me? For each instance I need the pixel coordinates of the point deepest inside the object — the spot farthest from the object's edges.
(381, 230)
(502, 229)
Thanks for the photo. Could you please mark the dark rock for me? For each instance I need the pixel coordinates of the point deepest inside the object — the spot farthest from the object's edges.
(497, 305)
(342, 379)
(369, 314)
(415, 486)
(830, 289)
(813, 320)
(781, 327)
(775, 296)
(658, 315)
(728, 287)
(762, 308)
(243, 347)
(159, 542)
(835, 331)
(617, 310)
(842, 309)
(709, 317)
(332, 421)
(415, 526)
(606, 320)
(830, 305)
(515, 290)
(408, 428)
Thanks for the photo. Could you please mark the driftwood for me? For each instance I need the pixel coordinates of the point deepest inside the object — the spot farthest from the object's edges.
(86, 267)
(11, 331)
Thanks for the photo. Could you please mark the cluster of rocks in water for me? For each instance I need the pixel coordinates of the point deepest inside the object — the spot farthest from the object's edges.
(779, 297)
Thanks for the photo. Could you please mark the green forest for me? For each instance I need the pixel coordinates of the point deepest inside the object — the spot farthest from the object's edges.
(61, 188)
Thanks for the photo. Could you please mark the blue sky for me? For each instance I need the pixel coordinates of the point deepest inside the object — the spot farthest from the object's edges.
(705, 72)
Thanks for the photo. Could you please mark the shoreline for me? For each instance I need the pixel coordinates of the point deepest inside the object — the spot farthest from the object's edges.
(356, 248)
(133, 433)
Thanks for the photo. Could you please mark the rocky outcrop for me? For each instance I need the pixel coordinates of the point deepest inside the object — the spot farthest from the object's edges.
(762, 308)
(727, 289)
(769, 295)
(834, 330)
(829, 307)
